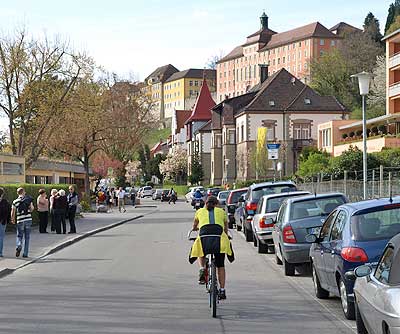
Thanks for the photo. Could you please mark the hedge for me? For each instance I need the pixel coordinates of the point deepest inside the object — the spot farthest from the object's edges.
(33, 191)
(180, 189)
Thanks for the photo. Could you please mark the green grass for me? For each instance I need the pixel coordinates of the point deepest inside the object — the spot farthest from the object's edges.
(155, 135)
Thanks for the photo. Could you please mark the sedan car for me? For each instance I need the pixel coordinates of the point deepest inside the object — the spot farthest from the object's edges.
(253, 195)
(222, 197)
(165, 195)
(264, 220)
(157, 194)
(232, 204)
(298, 217)
(354, 234)
(377, 293)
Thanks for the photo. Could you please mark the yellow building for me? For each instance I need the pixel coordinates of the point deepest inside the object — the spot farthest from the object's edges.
(12, 168)
(182, 88)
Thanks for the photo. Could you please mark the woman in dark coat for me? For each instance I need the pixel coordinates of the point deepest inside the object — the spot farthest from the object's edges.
(60, 207)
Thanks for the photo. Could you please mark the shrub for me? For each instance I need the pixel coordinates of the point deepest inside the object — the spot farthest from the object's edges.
(86, 206)
(351, 134)
(344, 135)
(382, 128)
(359, 133)
(374, 130)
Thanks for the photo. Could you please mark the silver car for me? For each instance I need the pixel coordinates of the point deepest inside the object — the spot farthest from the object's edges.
(298, 217)
(263, 221)
(222, 197)
(377, 293)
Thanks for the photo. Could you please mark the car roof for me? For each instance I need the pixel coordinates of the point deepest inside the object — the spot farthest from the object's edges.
(291, 193)
(241, 189)
(272, 183)
(371, 203)
(312, 196)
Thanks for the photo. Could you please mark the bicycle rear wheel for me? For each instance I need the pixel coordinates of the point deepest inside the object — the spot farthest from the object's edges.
(213, 290)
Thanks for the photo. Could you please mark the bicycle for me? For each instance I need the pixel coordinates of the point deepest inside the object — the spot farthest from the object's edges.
(211, 278)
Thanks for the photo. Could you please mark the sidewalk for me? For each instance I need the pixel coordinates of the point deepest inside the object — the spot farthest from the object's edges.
(41, 243)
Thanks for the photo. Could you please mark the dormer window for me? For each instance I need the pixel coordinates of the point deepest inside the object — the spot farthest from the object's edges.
(307, 101)
(272, 103)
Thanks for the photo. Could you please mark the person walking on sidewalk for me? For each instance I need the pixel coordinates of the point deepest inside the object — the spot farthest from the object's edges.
(121, 199)
(54, 194)
(43, 210)
(5, 218)
(73, 201)
(21, 214)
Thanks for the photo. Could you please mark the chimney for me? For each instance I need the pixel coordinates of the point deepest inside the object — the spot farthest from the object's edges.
(263, 72)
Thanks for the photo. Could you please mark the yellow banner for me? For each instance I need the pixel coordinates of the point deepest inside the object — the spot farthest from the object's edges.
(261, 139)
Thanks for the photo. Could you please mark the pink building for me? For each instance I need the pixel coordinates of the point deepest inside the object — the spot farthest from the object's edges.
(293, 50)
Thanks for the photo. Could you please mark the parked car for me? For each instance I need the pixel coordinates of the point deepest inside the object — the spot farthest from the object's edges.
(232, 204)
(157, 194)
(264, 219)
(147, 191)
(139, 192)
(253, 195)
(352, 235)
(377, 292)
(192, 190)
(298, 217)
(213, 191)
(165, 195)
(222, 197)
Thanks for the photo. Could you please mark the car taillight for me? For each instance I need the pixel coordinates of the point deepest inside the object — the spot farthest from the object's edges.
(251, 206)
(263, 224)
(354, 254)
(288, 235)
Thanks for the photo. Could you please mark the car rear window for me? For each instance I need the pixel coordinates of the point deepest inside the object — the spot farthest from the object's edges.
(147, 188)
(257, 193)
(223, 194)
(314, 207)
(273, 204)
(383, 223)
(236, 195)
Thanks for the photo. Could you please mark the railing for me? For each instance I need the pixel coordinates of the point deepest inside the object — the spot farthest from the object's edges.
(394, 60)
(394, 89)
(300, 143)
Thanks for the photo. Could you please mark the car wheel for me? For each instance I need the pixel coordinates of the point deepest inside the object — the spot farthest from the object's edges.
(278, 260)
(359, 321)
(262, 248)
(255, 241)
(347, 305)
(248, 234)
(319, 292)
(288, 268)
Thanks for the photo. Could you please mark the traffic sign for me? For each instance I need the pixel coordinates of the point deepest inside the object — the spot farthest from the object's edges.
(273, 151)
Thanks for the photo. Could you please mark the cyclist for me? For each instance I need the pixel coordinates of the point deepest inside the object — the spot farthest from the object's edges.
(211, 214)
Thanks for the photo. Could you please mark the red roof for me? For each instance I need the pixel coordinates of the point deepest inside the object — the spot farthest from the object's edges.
(204, 103)
(181, 118)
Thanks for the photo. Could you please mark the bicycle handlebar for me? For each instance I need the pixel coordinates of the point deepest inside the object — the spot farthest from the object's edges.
(190, 238)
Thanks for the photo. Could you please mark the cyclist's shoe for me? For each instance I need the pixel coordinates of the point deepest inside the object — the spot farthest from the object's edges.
(202, 276)
(221, 294)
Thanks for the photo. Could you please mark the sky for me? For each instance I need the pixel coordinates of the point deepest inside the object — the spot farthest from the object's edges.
(132, 37)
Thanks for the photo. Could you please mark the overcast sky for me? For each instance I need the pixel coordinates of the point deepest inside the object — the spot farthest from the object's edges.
(135, 37)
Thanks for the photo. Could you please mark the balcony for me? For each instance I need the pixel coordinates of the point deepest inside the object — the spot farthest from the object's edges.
(374, 144)
(394, 90)
(299, 144)
(394, 61)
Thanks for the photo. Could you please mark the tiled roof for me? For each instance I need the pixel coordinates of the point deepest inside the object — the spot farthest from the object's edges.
(206, 127)
(315, 29)
(181, 118)
(162, 73)
(343, 25)
(204, 103)
(260, 36)
(237, 52)
(61, 166)
(194, 73)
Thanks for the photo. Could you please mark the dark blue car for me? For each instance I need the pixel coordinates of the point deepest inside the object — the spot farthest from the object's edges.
(353, 234)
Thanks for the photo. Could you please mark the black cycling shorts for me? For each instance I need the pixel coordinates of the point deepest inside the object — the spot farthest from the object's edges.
(220, 260)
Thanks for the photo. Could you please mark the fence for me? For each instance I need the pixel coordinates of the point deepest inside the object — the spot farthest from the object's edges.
(381, 182)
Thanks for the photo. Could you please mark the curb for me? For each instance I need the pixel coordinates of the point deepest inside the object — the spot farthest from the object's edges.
(64, 244)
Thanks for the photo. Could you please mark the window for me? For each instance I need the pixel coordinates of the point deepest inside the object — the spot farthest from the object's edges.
(272, 103)
(190, 83)
(383, 269)
(324, 234)
(326, 137)
(196, 83)
(307, 101)
(321, 42)
(332, 43)
(302, 129)
(279, 61)
(273, 62)
(305, 66)
(299, 44)
(299, 55)
(231, 136)
(283, 60)
(218, 141)
(337, 229)
(305, 53)
(314, 207)
(10, 168)
(299, 67)
(242, 132)
(190, 92)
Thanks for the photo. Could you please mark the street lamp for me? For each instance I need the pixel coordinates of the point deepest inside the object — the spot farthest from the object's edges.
(364, 79)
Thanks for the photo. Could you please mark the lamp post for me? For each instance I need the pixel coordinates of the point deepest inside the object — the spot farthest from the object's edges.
(364, 79)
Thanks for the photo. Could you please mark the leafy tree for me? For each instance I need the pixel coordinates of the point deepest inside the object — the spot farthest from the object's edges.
(306, 152)
(390, 18)
(213, 60)
(196, 172)
(389, 157)
(371, 27)
(394, 26)
(315, 163)
(174, 167)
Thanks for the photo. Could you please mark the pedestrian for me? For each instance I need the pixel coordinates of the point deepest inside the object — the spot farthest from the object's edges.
(109, 200)
(73, 201)
(115, 197)
(21, 214)
(172, 196)
(133, 197)
(53, 194)
(43, 210)
(121, 199)
(60, 206)
(5, 218)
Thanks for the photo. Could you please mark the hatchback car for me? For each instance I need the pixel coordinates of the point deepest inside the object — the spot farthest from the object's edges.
(157, 194)
(352, 235)
(253, 195)
(263, 221)
(232, 204)
(298, 217)
(222, 197)
(377, 292)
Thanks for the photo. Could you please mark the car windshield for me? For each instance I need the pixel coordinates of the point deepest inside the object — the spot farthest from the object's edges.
(382, 223)
(272, 189)
(236, 195)
(223, 194)
(314, 207)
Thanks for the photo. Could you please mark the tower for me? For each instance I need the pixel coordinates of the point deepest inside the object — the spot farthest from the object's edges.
(264, 21)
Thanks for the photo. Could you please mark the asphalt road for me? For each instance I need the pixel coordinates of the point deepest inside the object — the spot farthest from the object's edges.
(136, 279)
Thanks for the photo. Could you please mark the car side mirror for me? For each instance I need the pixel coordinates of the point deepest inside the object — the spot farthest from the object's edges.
(363, 271)
(311, 238)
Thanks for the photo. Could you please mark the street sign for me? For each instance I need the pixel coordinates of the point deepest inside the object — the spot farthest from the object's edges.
(273, 151)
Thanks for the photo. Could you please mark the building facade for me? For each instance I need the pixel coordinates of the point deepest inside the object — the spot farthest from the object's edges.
(293, 50)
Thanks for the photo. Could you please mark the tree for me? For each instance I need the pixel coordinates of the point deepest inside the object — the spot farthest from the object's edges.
(390, 18)
(315, 163)
(174, 167)
(102, 164)
(213, 60)
(371, 27)
(394, 26)
(196, 172)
